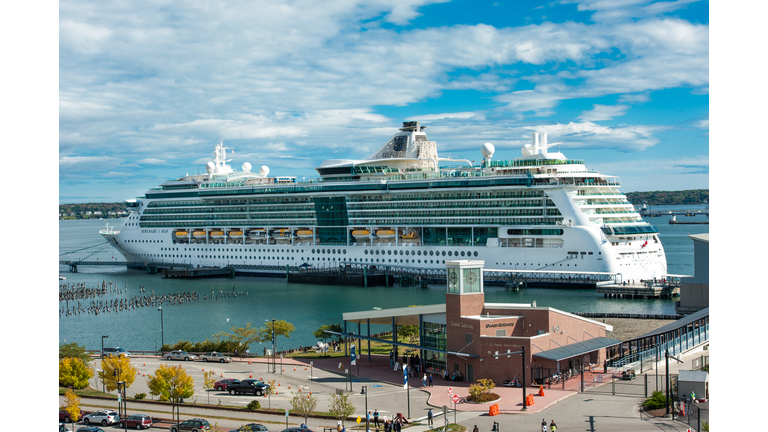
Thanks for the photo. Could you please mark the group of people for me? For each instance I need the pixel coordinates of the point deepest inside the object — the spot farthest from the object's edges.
(376, 421)
(552, 426)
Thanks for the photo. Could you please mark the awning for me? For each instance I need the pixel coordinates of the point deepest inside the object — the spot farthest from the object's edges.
(577, 349)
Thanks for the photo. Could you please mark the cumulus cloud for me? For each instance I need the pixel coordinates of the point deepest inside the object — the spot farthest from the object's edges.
(590, 135)
(603, 112)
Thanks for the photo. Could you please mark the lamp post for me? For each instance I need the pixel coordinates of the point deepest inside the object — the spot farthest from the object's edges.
(102, 345)
(364, 391)
(162, 331)
(274, 362)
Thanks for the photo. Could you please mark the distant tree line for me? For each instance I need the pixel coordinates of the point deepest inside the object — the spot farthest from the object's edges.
(687, 197)
(81, 210)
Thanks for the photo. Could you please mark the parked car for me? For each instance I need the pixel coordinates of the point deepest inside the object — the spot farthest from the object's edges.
(138, 421)
(297, 429)
(215, 357)
(116, 352)
(628, 375)
(63, 428)
(193, 425)
(248, 386)
(104, 417)
(180, 355)
(90, 429)
(254, 427)
(225, 383)
(64, 416)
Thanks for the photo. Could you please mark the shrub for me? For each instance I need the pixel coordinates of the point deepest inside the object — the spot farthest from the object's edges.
(140, 396)
(479, 392)
(656, 401)
(254, 405)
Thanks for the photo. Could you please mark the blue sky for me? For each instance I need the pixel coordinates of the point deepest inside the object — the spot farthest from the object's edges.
(146, 89)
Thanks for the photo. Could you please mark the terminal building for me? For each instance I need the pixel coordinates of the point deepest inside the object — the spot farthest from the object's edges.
(472, 339)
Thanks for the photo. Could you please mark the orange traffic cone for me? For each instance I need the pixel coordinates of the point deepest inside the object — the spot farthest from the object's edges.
(541, 390)
(221, 376)
(278, 383)
(145, 364)
(250, 376)
(249, 362)
(289, 386)
(294, 368)
(203, 369)
(305, 368)
(283, 369)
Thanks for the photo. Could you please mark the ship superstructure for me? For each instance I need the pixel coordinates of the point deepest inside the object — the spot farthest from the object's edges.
(402, 206)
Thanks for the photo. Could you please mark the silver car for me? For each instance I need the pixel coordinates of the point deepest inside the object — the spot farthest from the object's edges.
(180, 355)
(215, 357)
(104, 417)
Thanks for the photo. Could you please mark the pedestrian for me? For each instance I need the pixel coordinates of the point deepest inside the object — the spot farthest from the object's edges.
(338, 426)
(475, 429)
(235, 352)
(247, 352)
(552, 426)
(430, 379)
(543, 425)
(376, 418)
(430, 417)
(424, 380)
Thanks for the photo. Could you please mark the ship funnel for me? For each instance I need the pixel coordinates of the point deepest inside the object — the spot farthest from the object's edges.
(539, 143)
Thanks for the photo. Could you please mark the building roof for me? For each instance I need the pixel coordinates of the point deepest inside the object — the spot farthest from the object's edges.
(402, 316)
(700, 237)
(682, 322)
(577, 349)
(692, 376)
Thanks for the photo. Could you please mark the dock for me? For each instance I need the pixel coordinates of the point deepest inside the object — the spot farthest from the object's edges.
(192, 272)
(646, 290)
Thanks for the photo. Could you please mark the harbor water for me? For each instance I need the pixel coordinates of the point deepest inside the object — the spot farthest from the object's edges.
(306, 306)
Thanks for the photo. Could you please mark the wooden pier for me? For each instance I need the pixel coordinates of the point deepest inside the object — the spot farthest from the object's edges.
(648, 290)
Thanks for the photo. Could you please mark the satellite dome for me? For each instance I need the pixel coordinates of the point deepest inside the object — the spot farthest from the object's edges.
(264, 170)
(487, 150)
(527, 150)
(247, 167)
(210, 166)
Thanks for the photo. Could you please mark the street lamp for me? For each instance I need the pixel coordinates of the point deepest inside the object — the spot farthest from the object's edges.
(274, 362)
(162, 331)
(364, 391)
(102, 345)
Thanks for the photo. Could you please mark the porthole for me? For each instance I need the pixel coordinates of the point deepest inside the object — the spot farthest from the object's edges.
(334, 251)
(345, 251)
(449, 253)
(475, 253)
(389, 252)
(365, 251)
(443, 255)
(431, 253)
(419, 254)
(462, 253)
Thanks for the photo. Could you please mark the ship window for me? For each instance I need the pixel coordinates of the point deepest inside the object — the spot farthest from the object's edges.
(475, 253)
(462, 253)
(443, 255)
(449, 253)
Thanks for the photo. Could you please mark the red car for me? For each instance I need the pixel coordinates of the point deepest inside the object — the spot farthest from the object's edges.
(223, 384)
(64, 416)
(138, 421)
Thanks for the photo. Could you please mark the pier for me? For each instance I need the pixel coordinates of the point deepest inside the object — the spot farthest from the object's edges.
(666, 288)
(192, 272)
(659, 213)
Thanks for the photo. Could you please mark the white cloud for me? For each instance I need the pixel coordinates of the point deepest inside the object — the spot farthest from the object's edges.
(590, 135)
(603, 112)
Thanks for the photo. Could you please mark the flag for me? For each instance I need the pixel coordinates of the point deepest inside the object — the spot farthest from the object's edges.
(405, 376)
(352, 354)
(645, 244)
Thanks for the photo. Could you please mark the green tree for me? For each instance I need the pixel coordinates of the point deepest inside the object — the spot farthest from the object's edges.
(74, 350)
(340, 406)
(171, 383)
(114, 369)
(209, 379)
(410, 332)
(281, 328)
(74, 373)
(71, 406)
(482, 387)
(303, 404)
(320, 332)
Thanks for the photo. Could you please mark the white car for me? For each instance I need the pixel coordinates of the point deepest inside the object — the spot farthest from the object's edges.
(180, 355)
(104, 417)
(215, 357)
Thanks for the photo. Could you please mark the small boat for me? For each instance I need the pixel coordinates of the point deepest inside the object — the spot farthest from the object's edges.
(282, 233)
(182, 233)
(361, 234)
(257, 234)
(409, 236)
(385, 234)
(217, 234)
(199, 234)
(62, 277)
(236, 234)
(305, 233)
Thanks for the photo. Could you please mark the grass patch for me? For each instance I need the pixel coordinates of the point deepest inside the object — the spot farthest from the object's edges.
(452, 427)
(376, 348)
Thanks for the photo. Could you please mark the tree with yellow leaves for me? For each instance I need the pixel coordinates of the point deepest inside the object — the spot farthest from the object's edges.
(114, 369)
(72, 406)
(209, 379)
(74, 373)
(171, 383)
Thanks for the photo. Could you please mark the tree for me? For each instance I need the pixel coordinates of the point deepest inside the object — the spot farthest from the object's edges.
(245, 336)
(320, 332)
(171, 383)
(269, 390)
(209, 379)
(303, 404)
(126, 372)
(341, 407)
(410, 332)
(72, 406)
(281, 328)
(74, 373)
(74, 350)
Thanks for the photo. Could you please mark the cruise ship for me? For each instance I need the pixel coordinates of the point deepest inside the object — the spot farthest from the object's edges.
(402, 206)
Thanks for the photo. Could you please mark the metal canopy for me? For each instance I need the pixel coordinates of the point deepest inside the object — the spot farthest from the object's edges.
(677, 324)
(577, 349)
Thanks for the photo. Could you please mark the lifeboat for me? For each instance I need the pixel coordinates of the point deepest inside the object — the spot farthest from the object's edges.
(409, 236)
(236, 234)
(282, 233)
(305, 233)
(217, 234)
(385, 234)
(361, 234)
(199, 234)
(181, 233)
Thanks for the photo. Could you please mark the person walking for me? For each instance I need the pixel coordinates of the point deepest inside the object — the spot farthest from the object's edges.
(430, 379)
(430, 417)
(475, 429)
(376, 418)
(544, 425)
(424, 380)
(552, 426)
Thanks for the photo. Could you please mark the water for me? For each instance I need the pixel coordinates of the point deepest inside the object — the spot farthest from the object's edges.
(306, 306)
